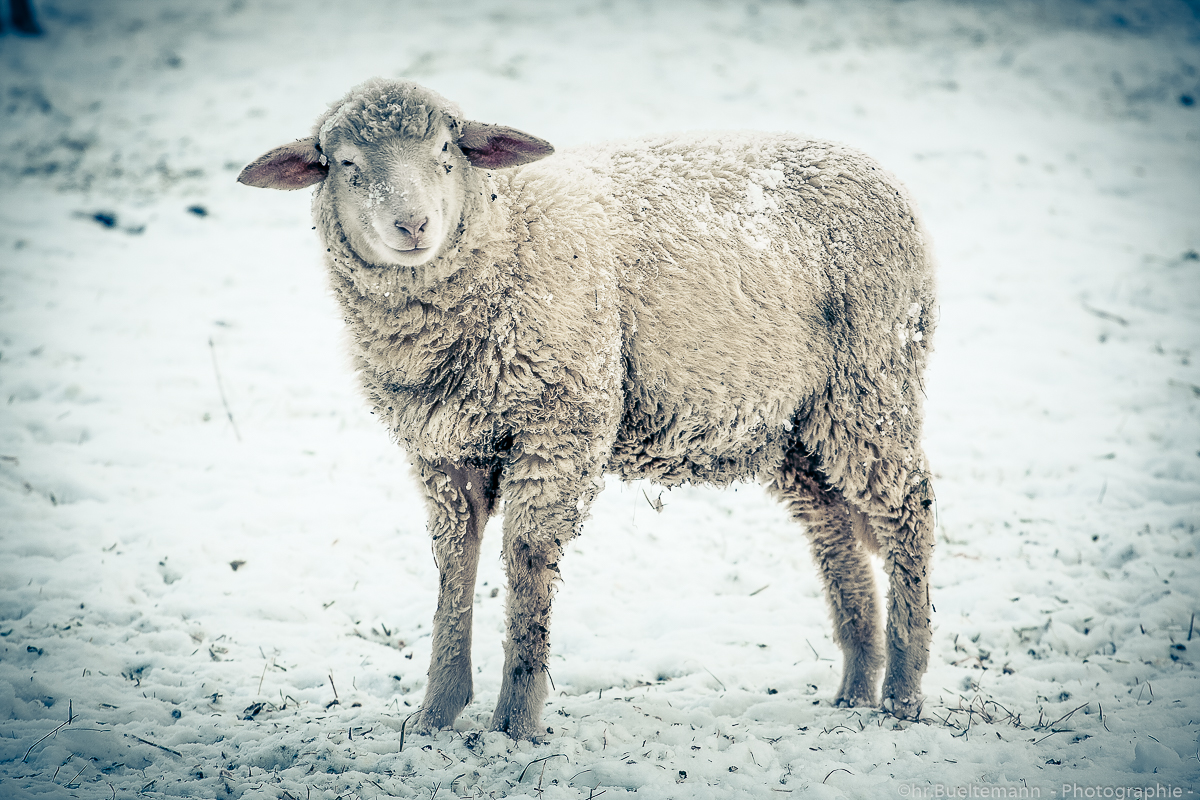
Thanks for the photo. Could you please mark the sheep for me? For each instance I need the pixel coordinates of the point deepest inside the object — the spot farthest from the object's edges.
(708, 307)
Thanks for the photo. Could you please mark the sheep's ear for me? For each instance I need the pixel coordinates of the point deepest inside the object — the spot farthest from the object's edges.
(292, 166)
(497, 147)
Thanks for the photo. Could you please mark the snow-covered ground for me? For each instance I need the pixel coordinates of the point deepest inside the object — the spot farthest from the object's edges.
(197, 606)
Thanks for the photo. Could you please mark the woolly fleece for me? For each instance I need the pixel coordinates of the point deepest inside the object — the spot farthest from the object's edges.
(702, 307)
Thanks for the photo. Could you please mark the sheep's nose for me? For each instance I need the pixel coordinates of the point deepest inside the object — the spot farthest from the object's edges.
(412, 227)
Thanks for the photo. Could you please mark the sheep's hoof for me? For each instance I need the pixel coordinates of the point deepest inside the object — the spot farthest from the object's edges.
(429, 721)
(905, 707)
(857, 691)
(854, 701)
(519, 731)
(518, 727)
(424, 725)
(448, 693)
(433, 719)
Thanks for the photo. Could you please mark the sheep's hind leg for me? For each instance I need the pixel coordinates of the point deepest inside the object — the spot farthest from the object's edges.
(906, 539)
(460, 500)
(845, 568)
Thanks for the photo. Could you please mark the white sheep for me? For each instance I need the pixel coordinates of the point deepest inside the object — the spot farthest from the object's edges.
(703, 307)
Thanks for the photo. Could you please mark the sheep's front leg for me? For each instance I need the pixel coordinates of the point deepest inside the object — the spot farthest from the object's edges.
(460, 500)
(540, 517)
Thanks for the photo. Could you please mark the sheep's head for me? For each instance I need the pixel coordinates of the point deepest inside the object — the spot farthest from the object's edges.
(394, 158)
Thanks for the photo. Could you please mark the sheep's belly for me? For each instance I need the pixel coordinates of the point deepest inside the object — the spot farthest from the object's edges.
(680, 445)
(712, 385)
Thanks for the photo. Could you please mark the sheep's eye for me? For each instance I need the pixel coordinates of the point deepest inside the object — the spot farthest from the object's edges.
(445, 147)
(347, 163)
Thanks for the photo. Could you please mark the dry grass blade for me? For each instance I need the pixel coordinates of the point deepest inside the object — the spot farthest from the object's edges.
(1105, 315)
(715, 678)
(221, 388)
(175, 753)
(538, 760)
(1066, 716)
(77, 774)
(987, 711)
(402, 727)
(70, 719)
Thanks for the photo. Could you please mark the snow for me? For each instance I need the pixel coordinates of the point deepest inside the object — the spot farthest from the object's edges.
(176, 401)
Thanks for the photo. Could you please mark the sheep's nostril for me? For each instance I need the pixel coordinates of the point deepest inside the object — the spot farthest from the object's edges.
(412, 227)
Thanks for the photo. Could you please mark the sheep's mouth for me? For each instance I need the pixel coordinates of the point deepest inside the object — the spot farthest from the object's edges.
(407, 249)
(417, 254)
(402, 248)
(409, 255)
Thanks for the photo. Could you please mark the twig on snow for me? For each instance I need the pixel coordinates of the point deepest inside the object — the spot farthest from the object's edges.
(70, 719)
(221, 388)
(175, 753)
(77, 774)
(715, 678)
(1105, 315)
(336, 701)
(839, 769)
(1069, 713)
(536, 760)
(402, 725)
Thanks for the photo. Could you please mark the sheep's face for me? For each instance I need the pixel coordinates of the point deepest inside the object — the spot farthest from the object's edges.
(395, 159)
(398, 198)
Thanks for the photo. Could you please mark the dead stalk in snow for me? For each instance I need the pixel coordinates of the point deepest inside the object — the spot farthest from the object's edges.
(175, 753)
(1105, 314)
(221, 388)
(77, 774)
(70, 719)
(402, 726)
(714, 677)
(839, 769)
(543, 759)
